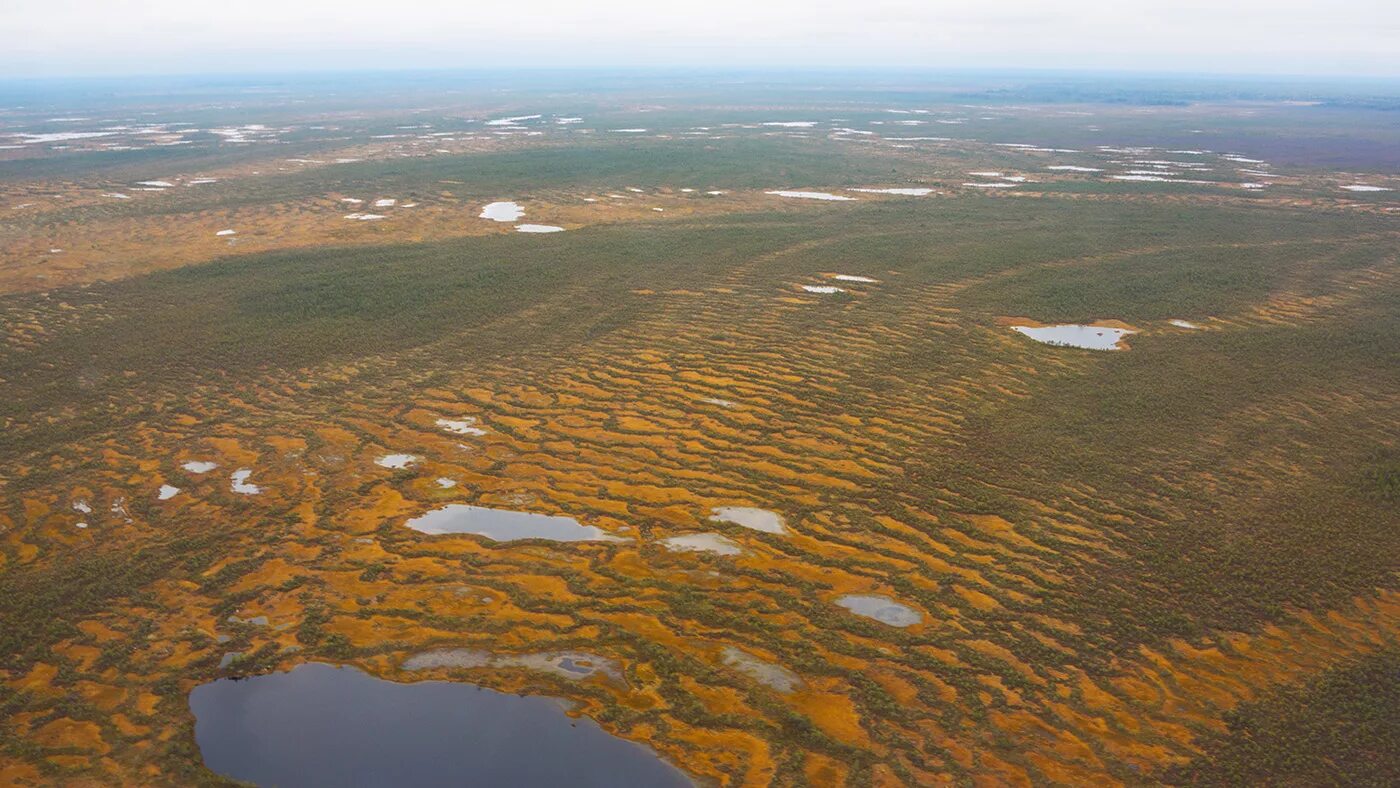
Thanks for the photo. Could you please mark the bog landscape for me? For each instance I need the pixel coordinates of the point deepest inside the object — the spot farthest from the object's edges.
(689, 429)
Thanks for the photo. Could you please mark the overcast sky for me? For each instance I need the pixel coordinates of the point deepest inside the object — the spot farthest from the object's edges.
(72, 37)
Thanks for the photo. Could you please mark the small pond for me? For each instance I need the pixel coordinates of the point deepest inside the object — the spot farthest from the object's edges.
(1070, 335)
(702, 543)
(462, 426)
(762, 671)
(919, 192)
(502, 211)
(882, 609)
(811, 195)
(239, 483)
(504, 525)
(573, 665)
(749, 517)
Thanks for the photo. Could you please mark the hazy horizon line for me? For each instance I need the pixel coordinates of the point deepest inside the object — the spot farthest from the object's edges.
(757, 70)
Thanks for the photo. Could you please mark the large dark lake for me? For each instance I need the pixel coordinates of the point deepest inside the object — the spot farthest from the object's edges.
(321, 725)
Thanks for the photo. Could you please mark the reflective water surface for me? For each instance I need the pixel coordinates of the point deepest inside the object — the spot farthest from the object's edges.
(882, 609)
(504, 525)
(323, 725)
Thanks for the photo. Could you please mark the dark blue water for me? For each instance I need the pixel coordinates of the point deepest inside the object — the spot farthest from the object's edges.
(320, 725)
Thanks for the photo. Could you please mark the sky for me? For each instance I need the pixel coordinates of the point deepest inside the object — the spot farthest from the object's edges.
(105, 37)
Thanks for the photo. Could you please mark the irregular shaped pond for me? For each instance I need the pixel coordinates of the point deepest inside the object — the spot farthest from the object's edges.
(881, 608)
(775, 676)
(502, 211)
(323, 725)
(1069, 335)
(919, 192)
(565, 664)
(239, 483)
(512, 121)
(702, 543)
(811, 195)
(503, 525)
(749, 517)
(463, 426)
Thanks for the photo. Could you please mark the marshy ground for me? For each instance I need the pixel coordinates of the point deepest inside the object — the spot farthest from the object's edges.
(844, 525)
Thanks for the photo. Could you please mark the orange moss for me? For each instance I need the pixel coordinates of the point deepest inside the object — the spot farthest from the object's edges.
(833, 713)
(75, 734)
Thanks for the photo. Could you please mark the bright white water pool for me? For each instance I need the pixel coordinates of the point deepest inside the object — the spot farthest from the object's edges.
(1071, 335)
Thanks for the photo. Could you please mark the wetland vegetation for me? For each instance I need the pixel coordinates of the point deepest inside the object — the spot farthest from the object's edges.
(661, 466)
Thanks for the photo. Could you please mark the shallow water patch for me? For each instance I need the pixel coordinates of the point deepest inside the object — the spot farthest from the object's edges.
(702, 543)
(463, 426)
(775, 676)
(1080, 336)
(239, 483)
(750, 517)
(512, 121)
(881, 608)
(906, 192)
(812, 195)
(502, 211)
(572, 665)
(504, 525)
